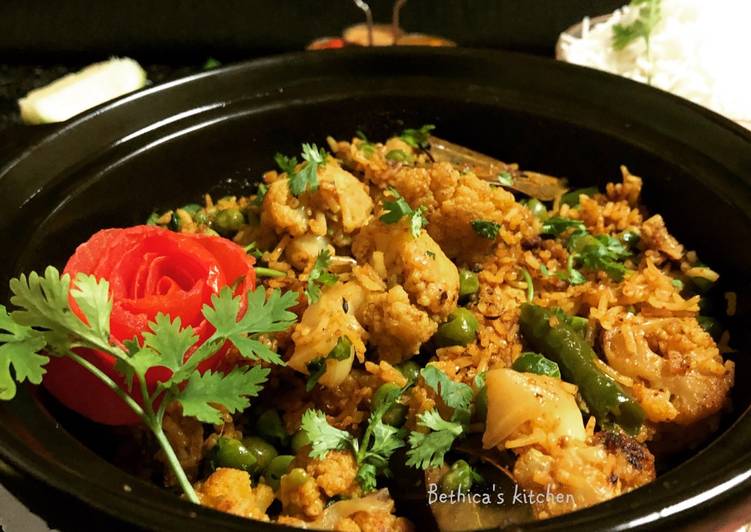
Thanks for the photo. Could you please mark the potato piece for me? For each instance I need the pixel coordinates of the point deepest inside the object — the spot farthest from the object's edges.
(322, 323)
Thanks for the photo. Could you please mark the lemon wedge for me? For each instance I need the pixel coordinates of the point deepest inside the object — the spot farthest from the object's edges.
(77, 92)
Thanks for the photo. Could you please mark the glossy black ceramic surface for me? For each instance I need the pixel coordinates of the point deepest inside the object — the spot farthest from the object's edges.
(167, 144)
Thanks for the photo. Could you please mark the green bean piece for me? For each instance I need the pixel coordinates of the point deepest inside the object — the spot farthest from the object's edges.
(276, 469)
(396, 415)
(232, 453)
(229, 220)
(536, 363)
(604, 397)
(460, 477)
(469, 283)
(262, 450)
(572, 198)
(268, 272)
(538, 208)
(342, 350)
(299, 440)
(410, 370)
(269, 426)
(460, 329)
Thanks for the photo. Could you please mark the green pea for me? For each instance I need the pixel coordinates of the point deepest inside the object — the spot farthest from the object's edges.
(269, 426)
(229, 220)
(232, 453)
(262, 450)
(299, 440)
(469, 283)
(538, 208)
(276, 468)
(481, 404)
(382, 393)
(461, 328)
(342, 350)
(396, 415)
(191, 208)
(296, 477)
(459, 478)
(410, 370)
(201, 217)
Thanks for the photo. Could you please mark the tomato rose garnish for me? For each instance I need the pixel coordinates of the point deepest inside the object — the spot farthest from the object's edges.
(150, 271)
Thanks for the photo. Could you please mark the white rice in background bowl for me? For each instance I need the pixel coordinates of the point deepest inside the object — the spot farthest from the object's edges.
(700, 50)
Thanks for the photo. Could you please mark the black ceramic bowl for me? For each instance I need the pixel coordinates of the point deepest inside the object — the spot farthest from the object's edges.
(166, 145)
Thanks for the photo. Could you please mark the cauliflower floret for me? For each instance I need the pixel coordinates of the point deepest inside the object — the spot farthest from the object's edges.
(416, 263)
(679, 372)
(341, 201)
(335, 474)
(321, 326)
(397, 328)
(579, 474)
(230, 490)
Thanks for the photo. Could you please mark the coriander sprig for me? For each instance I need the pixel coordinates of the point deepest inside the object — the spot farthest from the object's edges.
(305, 177)
(398, 208)
(372, 452)
(319, 276)
(429, 449)
(44, 325)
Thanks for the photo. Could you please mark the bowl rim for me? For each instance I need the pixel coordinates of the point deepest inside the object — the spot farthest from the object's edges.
(732, 481)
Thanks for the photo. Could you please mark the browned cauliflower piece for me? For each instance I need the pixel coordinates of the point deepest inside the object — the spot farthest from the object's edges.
(655, 235)
(397, 328)
(230, 490)
(679, 375)
(335, 474)
(416, 263)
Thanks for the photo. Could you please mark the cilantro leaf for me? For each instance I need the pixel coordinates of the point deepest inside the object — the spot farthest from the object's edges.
(428, 450)
(324, 437)
(485, 228)
(263, 188)
(319, 275)
(203, 393)
(19, 348)
(306, 177)
(456, 395)
(398, 208)
(650, 14)
(262, 316)
(168, 341)
(417, 138)
(285, 164)
(316, 368)
(556, 225)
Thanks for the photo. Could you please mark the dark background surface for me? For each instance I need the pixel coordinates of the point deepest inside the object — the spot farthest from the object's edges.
(41, 40)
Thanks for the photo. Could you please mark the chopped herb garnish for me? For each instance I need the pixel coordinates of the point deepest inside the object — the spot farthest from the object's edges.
(398, 208)
(261, 193)
(556, 225)
(398, 156)
(319, 276)
(211, 63)
(430, 254)
(486, 229)
(45, 325)
(304, 178)
(316, 368)
(428, 449)
(530, 284)
(372, 452)
(365, 146)
(418, 138)
(649, 16)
